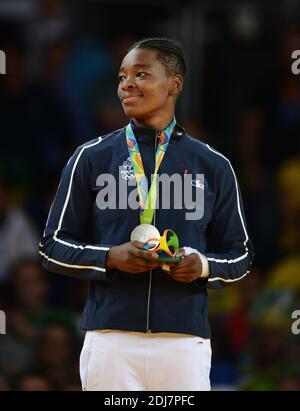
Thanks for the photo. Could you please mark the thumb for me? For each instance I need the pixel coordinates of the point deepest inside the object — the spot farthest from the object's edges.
(180, 252)
(138, 244)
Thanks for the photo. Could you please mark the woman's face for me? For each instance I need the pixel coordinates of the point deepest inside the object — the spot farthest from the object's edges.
(145, 89)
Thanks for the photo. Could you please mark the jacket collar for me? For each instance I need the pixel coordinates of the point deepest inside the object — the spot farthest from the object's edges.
(147, 135)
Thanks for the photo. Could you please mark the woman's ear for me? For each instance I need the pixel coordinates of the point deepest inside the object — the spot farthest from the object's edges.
(176, 84)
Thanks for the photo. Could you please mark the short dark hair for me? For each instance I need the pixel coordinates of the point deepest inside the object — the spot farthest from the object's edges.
(169, 52)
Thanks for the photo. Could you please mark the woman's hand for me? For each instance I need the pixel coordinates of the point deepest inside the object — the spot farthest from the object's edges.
(188, 269)
(129, 257)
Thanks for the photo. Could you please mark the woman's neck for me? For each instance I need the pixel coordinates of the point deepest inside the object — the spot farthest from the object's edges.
(158, 123)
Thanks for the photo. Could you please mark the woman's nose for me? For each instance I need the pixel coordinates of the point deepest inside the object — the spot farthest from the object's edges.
(128, 83)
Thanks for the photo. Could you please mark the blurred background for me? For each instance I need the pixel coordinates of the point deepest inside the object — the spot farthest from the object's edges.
(240, 97)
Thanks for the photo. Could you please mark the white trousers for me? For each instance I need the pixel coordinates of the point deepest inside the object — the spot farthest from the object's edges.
(113, 360)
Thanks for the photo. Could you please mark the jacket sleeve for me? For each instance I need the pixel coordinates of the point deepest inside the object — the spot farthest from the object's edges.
(64, 248)
(229, 251)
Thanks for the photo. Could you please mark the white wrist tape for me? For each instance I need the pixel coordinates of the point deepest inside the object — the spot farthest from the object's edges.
(203, 259)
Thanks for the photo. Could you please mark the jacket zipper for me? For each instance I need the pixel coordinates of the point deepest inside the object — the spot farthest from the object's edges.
(150, 279)
(149, 293)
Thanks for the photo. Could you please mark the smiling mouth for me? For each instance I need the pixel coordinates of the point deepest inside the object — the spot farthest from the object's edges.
(130, 99)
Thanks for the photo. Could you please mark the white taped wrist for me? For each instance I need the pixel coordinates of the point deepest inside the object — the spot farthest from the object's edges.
(203, 259)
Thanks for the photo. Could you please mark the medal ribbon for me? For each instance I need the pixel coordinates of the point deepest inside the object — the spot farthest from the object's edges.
(147, 201)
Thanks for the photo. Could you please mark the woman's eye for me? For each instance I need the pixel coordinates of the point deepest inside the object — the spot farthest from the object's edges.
(122, 77)
(141, 74)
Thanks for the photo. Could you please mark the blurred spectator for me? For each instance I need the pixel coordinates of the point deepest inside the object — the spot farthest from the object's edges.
(108, 111)
(35, 119)
(223, 373)
(60, 124)
(30, 311)
(267, 361)
(28, 314)
(38, 204)
(50, 23)
(270, 133)
(289, 204)
(17, 153)
(16, 356)
(33, 382)
(30, 288)
(86, 72)
(18, 237)
(54, 79)
(59, 364)
(274, 114)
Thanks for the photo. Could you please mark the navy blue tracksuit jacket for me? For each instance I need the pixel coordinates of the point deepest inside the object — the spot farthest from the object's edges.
(79, 233)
